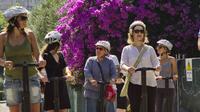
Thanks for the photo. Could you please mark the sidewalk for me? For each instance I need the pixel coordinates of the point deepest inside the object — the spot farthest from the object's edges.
(3, 107)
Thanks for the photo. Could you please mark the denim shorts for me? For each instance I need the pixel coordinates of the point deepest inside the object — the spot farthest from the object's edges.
(14, 89)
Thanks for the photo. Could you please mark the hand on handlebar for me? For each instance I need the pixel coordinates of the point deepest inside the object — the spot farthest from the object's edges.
(42, 63)
(93, 82)
(43, 78)
(8, 64)
(175, 77)
(70, 78)
(131, 70)
(159, 77)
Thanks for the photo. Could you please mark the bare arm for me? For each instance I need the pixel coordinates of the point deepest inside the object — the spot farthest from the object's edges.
(198, 43)
(1, 49)
(69, 75)
(35, 50)
(34, 45)
(174, 68)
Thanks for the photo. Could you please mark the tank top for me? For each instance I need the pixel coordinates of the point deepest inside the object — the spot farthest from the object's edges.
(166, 71)
(19, 54)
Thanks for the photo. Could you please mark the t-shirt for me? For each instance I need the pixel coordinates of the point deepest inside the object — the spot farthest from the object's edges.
(149, 59)
(114, 59)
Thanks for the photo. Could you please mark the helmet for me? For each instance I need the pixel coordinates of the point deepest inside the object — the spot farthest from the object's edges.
(52, 37)
(14, 11)
(199, 33)
(165, 43)
(104, 44)
(137, 22)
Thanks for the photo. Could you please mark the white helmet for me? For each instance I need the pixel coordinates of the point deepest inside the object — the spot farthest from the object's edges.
(137, 22)
(165, 43)
(14, 11)
(199, 34)
(104, 44)
(52, 37)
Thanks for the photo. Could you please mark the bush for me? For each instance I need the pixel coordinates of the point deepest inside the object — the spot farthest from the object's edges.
(44, 18)
(2, 21)
(84, 22)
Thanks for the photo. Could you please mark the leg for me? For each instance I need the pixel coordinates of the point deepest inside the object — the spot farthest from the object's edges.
(134, 94)
(159, 100)
(63, 110)
(121, 110)
(35, 107)
(15, 108)
(90, 105)
(170, 100)
(110, 106)
(151, 91)
(121, 101)
(12, 89)
(35, 94)
(50, 110)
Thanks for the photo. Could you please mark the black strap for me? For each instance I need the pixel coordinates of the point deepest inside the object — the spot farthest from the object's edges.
(101, 72)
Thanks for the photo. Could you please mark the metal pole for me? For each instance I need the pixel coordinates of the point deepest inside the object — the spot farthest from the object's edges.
(26, 92)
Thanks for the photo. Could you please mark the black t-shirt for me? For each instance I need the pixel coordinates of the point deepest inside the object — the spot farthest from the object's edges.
(53, 68)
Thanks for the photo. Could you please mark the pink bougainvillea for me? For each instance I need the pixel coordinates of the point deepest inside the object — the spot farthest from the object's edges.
(84, 22)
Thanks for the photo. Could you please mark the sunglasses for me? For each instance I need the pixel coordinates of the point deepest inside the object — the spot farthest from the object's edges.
(138, 31)
(99, 48)
(23, 18)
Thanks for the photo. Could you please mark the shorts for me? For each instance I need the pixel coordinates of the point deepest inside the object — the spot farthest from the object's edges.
(122, 102)
(14, 89)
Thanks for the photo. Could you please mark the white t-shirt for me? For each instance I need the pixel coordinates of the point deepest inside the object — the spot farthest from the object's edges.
(114, 59)
(149, 59)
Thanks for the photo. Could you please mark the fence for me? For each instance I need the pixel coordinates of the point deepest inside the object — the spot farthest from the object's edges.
(189, 85)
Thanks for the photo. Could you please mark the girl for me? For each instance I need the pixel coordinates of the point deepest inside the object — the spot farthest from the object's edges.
(168, 69)
(56, 67)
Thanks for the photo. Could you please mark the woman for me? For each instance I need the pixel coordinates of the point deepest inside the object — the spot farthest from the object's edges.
(198, 41)
(121, 102)
(56, 67)
(98, 68)
(168, 69)
(136, 39)
(19, 44)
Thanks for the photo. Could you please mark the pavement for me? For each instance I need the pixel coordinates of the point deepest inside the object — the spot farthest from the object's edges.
(3, 107)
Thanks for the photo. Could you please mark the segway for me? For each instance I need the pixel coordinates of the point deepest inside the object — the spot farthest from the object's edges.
(144, 102)
(167, 89)
(101, 103)
(56, 99)
(26, 104)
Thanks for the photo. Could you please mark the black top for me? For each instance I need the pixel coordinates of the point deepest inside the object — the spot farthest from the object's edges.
(53, 68)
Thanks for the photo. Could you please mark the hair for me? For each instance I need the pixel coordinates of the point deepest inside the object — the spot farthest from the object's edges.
(167, 50)
(130, 35)
(48, 47)
(12, 23)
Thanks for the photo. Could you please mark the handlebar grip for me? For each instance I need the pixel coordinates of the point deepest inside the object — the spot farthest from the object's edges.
(167, 78)
(26, 64)
(101, 82)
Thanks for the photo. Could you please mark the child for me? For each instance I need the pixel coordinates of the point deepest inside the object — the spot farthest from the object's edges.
(168, 69)
(55, 68)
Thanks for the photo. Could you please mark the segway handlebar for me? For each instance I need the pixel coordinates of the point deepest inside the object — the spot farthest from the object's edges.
(57, 78)
(145, 69)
